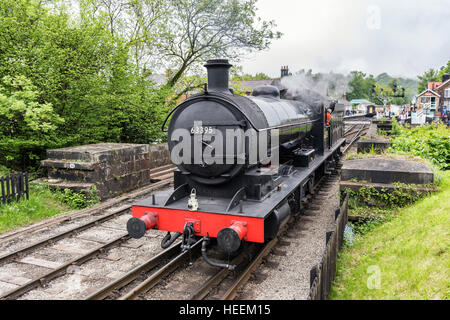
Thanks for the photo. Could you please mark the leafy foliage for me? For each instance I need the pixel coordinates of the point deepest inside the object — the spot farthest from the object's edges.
(41, 205)
(410, 250)
(21, 113)
(66, 83)
(430, 142)
(204, 29)
(429, 76)
(401, 196)
(363, 86)
(179, 35)
(67, 80)
(360, 85)
(237, 74)
(78, 200)
(432, 76)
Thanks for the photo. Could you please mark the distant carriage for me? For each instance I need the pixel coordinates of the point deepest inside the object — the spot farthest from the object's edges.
(371, 111)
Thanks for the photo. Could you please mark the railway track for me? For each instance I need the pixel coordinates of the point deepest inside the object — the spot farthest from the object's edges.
(355, 132)
(137, 283)
(52, 269)
(173, 258)
(233, 289)
(9, 236)
(222, 284)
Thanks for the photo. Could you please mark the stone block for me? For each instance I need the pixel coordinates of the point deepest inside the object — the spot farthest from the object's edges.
(378, 145)
(114, 168)
(385, 170)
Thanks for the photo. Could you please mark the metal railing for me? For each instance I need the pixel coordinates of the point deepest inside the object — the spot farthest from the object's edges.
(14, 187)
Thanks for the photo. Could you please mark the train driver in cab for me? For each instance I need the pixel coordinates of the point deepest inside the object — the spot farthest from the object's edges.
(328, 117)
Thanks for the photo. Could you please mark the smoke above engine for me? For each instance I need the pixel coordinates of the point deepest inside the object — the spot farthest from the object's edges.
(319, 87)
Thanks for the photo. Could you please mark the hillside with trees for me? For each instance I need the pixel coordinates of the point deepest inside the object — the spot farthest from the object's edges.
(376, 89)
(432, 75)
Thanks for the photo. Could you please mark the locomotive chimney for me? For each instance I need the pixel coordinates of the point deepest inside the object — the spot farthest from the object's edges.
(218, 75)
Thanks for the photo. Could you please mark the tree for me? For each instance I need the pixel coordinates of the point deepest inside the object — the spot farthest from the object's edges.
(444, 70)
(357, 86)
(179, 35)
(202, 29)
(74, 71)
(137, 22)
(237, 74)
(21, 114)
(429, 76)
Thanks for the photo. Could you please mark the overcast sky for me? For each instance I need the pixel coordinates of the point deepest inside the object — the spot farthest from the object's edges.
(401, 37)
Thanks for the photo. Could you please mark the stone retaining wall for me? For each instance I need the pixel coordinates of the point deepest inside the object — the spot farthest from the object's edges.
(113, 168)
(159, 155)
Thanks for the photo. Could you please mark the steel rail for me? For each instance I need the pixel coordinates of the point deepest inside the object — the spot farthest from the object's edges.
(76, 214)
(7, 257)
(171, 266)
(133, 274)
(215, 279)
(203, 291)
(41, 280)
(232, 291)
(357, 135)
(157, 276)
(65, 234)
(349, 131)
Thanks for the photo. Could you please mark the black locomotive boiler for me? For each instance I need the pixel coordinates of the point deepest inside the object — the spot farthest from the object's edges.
(239, 197)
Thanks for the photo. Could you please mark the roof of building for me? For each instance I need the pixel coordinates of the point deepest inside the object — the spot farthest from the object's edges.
(360, 101)
(443, 83)
(428, 90)
(433, 85)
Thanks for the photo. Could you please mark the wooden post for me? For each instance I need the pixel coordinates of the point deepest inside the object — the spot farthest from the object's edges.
(27, 187)
(2, 179)
(7, 188)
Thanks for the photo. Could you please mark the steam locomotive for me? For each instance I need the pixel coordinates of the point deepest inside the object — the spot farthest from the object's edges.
(241, 194)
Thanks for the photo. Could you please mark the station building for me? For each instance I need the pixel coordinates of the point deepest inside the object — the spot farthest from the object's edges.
(435, 98)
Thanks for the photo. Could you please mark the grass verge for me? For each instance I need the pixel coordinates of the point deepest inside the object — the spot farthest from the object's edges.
(404, 258)
(42, 204)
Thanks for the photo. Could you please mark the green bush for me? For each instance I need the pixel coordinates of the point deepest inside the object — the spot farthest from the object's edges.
(396, 128)
(65, 82)
(78, 200)
(401, 196)
(430, 142)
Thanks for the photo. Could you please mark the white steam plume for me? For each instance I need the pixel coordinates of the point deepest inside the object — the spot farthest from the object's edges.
(329, 85)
